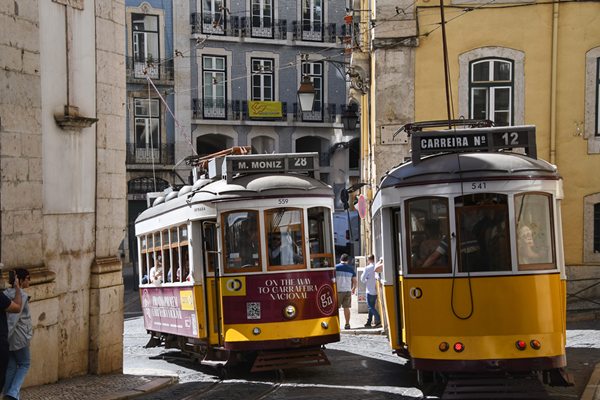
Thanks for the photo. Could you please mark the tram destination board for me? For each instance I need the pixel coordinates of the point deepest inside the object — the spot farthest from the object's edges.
(272, 163)
(476, 139)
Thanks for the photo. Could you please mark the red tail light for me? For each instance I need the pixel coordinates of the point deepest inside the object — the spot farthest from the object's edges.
(521, 344)
(458, 347)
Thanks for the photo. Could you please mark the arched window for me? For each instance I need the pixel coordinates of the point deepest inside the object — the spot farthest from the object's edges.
(263, 145)
(314, 144)
(591, 228)
(212, 143)
(354, 154)
(492, 85)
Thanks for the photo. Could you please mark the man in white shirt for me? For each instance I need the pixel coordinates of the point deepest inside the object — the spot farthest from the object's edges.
(369, 278)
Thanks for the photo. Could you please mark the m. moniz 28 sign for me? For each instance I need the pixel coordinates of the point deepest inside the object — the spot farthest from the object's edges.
(476, 139)
(270, 163)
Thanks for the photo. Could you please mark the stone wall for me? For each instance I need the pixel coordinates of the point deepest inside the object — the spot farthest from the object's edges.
(62, 193)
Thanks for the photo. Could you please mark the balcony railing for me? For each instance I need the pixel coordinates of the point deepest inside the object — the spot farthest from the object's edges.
(328, 113)
(234, 110)
(138, 68)
(314, 32)
(236, 26)
(163, 154)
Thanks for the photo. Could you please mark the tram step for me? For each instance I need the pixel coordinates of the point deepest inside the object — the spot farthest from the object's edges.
(483, 387)
(286, 359)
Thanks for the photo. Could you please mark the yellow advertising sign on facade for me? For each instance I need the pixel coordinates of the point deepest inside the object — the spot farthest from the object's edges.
(264, 109)
(233, 286)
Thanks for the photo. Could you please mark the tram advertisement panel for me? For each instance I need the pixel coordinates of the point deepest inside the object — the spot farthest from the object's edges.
(170, 310)
(264, 297)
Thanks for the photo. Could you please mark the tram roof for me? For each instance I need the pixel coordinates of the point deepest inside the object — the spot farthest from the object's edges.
(450, 167)
(260, 185)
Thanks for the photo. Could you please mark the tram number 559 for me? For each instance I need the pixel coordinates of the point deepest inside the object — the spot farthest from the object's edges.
(282, 201)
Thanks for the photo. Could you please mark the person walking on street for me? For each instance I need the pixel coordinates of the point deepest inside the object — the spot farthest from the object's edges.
(7, 306)
(20, 331)
(346, 281)
(369, 278)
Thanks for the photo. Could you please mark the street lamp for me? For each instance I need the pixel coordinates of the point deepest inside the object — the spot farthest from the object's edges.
(350, 116)
(306, 94)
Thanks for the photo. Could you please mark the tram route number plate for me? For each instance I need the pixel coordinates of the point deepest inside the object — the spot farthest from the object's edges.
(273, 164)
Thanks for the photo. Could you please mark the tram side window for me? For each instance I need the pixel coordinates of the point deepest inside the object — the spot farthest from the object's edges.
(319, 237)
(211, 248)
(483, 232)
(240, 238)
(285, 231)
(427, 242)
(535, 236)
(144, 269)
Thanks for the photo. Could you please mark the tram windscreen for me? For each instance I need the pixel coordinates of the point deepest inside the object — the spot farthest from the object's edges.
(319, 237)
(533, 219)
(483, 232)
(241, 244)
(285, 231)
(427, 242)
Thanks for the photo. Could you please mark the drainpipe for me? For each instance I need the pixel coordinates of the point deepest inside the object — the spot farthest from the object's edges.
(553, 88)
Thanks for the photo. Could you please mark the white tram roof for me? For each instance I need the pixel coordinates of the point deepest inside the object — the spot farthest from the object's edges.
(455, 167)
(252, 186)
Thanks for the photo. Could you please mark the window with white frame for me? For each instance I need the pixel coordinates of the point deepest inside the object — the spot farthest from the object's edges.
(214, 75)
(491, 90)
(312, 20)
(145, 41)
(314, 71)
(147, 128)
(262, 18)
(263, 83)
(213, 17)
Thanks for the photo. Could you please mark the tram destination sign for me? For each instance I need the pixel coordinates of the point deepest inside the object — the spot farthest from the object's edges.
(476, 139)
(272, 163)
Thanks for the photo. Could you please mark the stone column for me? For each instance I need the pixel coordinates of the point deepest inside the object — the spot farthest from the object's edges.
(106, 316)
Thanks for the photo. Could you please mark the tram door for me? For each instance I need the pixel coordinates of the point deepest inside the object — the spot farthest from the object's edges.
(398, 281)
(211, 283)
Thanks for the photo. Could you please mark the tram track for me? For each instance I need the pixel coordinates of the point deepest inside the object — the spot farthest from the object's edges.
(212, 391)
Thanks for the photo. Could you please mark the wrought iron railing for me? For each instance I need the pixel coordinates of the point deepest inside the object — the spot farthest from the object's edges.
(138, 68)
(320, 113)
(163, 154)
(314, 32)
(234, 110)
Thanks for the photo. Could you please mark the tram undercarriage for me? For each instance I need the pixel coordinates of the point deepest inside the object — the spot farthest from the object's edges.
(258, 361)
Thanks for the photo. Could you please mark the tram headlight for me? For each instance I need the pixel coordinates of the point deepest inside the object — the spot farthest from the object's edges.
(324, 325)
(289, 312)
(256, 331)
(535, 344)
(521, 344)
(444, 346)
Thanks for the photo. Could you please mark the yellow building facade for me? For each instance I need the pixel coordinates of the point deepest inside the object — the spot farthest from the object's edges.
(534, 63)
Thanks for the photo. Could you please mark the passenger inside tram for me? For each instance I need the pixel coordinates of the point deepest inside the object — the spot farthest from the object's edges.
(434, 248)
(528, 254)
(281, 250)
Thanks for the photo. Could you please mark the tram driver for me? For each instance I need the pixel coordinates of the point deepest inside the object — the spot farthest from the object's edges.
(281, 250)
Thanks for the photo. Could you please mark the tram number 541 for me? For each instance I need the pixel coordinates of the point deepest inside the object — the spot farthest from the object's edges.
(478, 186)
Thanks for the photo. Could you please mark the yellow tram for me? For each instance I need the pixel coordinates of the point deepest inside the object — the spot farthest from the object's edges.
(470, 233)
(239, 266)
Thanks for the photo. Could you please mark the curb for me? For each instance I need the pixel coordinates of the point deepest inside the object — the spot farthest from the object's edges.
(152, 386)
(363, 331)
(592, 389)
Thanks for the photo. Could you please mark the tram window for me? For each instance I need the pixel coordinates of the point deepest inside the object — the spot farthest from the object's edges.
(427, 242)
(210, 245)
(285, 232)
(533, 219)
(483, 232)
(143, 261)
(319, 237)
(242, 247)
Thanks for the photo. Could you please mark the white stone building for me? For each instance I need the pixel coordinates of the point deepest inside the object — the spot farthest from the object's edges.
(62, 180)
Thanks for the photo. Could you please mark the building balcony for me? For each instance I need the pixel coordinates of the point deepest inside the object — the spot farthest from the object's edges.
(262, 28)
(237, 110)
(163, 154)
(158, 70)
(236, 26)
